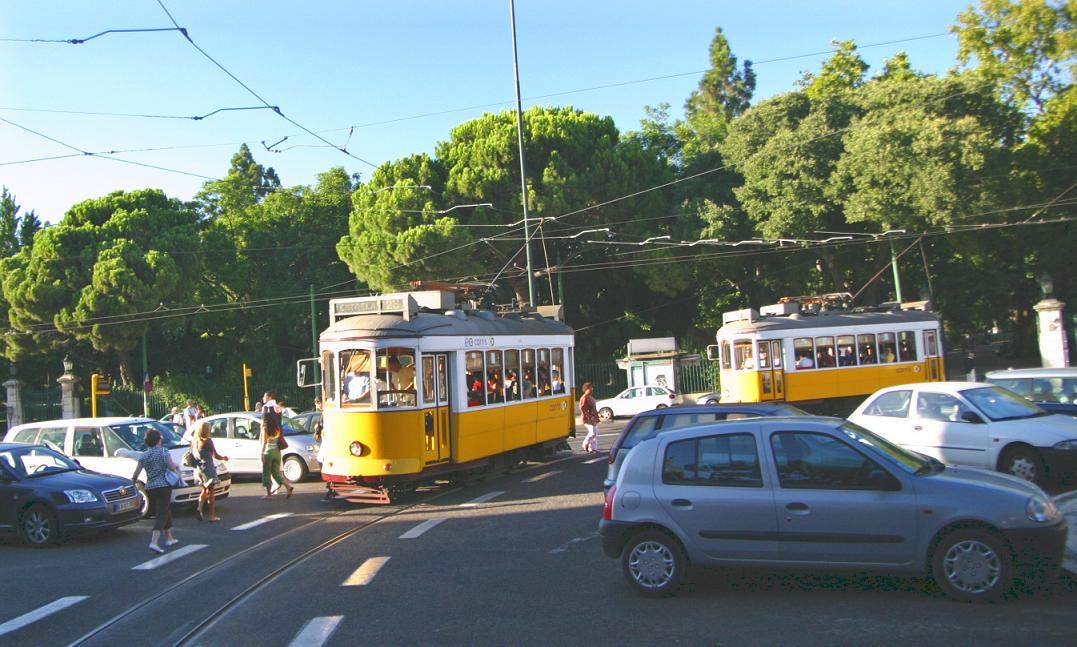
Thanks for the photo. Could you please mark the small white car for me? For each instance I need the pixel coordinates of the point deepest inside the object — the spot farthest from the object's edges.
(238, 436)
(633, 400)
(976, 424)
(112, 446)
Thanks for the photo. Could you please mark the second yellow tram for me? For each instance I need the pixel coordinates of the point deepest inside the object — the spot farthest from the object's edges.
(787, 354)
(417, 387)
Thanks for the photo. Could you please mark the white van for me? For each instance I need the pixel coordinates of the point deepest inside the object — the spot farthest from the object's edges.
(112, 446)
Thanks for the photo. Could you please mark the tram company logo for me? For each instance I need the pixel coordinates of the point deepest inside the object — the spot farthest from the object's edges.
(478, 342)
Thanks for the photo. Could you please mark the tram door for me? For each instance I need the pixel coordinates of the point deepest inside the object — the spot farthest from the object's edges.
(436, 418)
(772, 378)
(932, 356)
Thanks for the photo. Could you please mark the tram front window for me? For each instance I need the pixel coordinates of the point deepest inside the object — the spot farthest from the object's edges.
(355, 379)
(396, 377)
(742, 352)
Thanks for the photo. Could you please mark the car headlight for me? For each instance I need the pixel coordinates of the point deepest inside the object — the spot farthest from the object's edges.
(1066, 444)
(80, 496)
(1041, 510)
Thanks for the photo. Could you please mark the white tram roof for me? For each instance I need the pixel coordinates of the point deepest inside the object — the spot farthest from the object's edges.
(452, 323)
(827, 320)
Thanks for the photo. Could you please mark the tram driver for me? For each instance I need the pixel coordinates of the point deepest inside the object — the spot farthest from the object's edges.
(357, 378)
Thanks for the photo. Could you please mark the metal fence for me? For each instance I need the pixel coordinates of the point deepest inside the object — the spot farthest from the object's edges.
(608, 379)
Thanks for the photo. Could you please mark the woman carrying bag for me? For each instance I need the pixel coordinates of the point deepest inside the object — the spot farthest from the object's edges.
(206, 470)
(272, 437)
(161, 476)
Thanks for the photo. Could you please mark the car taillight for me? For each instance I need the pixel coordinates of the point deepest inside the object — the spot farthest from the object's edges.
(607, 508)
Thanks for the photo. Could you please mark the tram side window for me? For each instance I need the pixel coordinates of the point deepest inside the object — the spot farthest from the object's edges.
(473, 379)
(764, 357)
(887, 348)
(527, 377)
(355, 377)
(906, 346)
(846, 350)
(329, 377)
(543, 374)
(512, 375)
(557, 363)
(742, 350)
(726, 362)
(824, 352)
(428, 379)
(804, 352)
(865, 349)
(495, 383)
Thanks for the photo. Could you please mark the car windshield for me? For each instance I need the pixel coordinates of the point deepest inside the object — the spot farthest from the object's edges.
(899, 457)
(998, 403)
(36, 461)
(290, 426)
(134, 434)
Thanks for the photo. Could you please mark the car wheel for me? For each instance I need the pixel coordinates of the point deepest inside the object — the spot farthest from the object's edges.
(662, 406)
(712, 402)
(1022, 462)
(145, 500)
(653, 563)
(605, 414)
(972, 566)
(295, 470)
(38, 526)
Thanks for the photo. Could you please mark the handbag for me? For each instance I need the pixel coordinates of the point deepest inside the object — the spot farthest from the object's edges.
(190, 460)
(281, 442)
(173, 479)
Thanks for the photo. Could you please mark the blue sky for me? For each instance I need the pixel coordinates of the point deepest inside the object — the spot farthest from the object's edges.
(403, 73)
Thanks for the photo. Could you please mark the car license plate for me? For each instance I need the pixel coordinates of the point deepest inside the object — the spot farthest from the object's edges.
(124, 506)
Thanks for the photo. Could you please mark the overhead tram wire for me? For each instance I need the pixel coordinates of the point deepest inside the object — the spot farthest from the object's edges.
(142, 116)
(79, 41)
(275, 109)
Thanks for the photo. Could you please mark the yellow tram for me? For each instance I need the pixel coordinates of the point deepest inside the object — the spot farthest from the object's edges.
(417, 387)
(798, 351)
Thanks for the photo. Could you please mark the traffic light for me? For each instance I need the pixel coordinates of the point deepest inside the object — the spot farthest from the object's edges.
(99, 385)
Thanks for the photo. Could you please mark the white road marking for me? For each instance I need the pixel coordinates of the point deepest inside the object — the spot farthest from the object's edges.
(541, 476)
(42, 612)
(366, 572)
(265, 519)
(170, 556)
(316, 632)
(596, 460)
(482, 499)
(418, 530)
(568, 544)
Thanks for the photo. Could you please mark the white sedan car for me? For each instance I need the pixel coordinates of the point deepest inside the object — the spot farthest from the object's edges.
(975, 424)
(635, 400)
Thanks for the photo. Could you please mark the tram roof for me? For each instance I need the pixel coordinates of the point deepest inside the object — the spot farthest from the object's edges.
(830, 320)
(444, 325)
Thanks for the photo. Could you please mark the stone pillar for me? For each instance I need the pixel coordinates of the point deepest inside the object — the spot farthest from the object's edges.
(69, 400)
(1054, 347)
(15, 413)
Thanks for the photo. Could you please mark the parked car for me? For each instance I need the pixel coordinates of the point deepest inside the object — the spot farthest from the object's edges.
(976, 424)
(825, 494)
(1053, 389)
(634, 400)
(308, 420)
(113, 445)
(651, 423)
(175, 427)
(237, 436)
(44, 494)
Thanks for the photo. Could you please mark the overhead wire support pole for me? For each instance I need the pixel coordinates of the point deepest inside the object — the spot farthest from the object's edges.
(520, 142)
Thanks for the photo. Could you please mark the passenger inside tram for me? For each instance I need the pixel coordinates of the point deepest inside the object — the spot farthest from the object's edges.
(357, 378)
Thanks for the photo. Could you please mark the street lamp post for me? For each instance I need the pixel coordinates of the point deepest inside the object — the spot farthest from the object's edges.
(520, 143)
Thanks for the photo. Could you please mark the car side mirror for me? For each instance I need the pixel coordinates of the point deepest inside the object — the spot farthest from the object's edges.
(973, 417)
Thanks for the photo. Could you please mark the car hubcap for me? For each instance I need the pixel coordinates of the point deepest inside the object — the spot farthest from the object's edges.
(292, 470)
(37, 527)
(651, 564)
(1023, 467)
(972, 567)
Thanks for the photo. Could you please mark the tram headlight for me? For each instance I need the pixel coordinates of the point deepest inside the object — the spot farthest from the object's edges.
(357, 448)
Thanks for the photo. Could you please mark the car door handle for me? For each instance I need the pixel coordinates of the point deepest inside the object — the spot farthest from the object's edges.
(796, 507)
(918, 428)
(680, 503)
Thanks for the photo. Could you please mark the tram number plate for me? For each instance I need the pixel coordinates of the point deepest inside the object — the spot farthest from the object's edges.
(478, 342)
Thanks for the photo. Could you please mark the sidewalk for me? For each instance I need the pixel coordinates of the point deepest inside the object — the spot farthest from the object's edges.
(1067, 505)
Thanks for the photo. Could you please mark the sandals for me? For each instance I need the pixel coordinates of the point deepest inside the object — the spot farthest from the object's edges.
(214, 519)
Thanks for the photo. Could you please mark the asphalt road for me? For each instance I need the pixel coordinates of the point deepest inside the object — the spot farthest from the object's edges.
(514, 560)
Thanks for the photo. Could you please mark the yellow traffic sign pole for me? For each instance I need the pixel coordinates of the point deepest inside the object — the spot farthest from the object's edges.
(246, 394)
(93, 395)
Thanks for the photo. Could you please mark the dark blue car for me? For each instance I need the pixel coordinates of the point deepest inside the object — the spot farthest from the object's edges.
(651, 423)
(44, 494)
(1052, 389)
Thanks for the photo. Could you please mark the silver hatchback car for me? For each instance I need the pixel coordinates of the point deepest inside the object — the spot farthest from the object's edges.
(827, 494)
